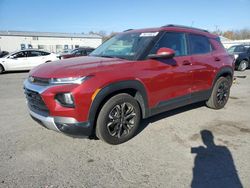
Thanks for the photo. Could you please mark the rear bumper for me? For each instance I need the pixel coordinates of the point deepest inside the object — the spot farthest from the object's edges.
(65, 125)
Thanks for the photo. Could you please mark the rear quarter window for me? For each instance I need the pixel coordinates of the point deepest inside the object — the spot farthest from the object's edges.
(199, 44)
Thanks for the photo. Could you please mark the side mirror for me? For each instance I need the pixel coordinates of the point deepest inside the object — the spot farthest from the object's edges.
(165, 53)
(11, 57)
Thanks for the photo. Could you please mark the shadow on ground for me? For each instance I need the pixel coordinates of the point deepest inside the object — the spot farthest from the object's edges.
(15, 72)
(213, 166)
(146, 122)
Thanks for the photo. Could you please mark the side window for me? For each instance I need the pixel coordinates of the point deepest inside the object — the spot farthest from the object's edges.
(83, 52)
(89, 50)
(78, 52)
(34, 53)
(23, 46)
(45, 53)
(240, 49)
(199, 44)
(248, 51)
(175, 41)
(19, 55)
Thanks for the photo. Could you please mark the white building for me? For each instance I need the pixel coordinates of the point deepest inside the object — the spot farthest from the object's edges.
(227, 43)
(53, 42)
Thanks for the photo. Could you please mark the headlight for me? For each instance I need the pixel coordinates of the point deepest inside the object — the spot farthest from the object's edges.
(236, 56)
(70, 80)
(65, 99)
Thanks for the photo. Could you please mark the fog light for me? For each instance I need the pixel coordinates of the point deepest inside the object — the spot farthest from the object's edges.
(65, 99)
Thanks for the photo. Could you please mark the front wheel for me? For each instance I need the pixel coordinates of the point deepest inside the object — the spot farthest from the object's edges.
(220, 94)
(118, 119)
(1, 69)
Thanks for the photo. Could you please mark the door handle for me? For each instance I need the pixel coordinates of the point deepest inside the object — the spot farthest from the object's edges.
(186, 62)
(217, 59)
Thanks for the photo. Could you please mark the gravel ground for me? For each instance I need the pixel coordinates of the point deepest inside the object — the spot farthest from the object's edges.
(167, 152)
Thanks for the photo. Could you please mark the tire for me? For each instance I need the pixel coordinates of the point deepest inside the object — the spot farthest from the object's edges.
(111, 125)
(1, 69)
(243, 65)
(220, 94)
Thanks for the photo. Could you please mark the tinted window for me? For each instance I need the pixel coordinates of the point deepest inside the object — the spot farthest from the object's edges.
(78, 52)
(175, 41)
(248, 51)
(83, 52)
(34, 53)
(240, 49)
(199, 44)
(45, 53)
(19, 55)
(89, 50)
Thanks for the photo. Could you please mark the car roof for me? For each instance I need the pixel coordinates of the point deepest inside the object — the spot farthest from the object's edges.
(178, 28)
(244, 45)
(27, 50)
(33, 49)
(84, 48)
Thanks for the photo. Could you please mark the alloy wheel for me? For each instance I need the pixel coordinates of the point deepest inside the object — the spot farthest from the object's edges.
(222, 93)
(121, 120)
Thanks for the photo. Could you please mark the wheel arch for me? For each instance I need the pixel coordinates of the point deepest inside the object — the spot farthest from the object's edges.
(2, 66)
(132, 87)
(226, 72)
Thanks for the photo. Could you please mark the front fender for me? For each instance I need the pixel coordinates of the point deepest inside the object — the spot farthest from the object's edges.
(141, 96)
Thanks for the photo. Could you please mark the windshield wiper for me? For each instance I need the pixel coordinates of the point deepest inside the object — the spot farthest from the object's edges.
(107, 56)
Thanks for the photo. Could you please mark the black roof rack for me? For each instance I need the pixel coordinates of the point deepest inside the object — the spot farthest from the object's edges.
(185, 27)
(128, 30)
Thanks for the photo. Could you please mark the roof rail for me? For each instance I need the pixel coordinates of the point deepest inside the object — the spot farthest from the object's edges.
(185, 27)
(128, 30)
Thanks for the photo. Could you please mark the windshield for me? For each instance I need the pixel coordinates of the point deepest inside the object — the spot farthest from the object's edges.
(128, 46)
(231, 49)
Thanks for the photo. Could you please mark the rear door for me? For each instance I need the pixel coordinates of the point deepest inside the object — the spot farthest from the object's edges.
(35, 58)
(203, 63)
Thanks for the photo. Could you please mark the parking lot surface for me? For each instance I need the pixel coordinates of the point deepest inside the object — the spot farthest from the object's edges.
(191, 146)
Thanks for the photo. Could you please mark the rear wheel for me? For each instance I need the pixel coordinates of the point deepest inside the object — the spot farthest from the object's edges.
(1, 69)
(243, 65)
(118, 119)
(220, 94)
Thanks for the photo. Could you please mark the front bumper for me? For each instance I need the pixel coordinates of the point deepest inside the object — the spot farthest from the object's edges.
(65, 125)
(68, 125)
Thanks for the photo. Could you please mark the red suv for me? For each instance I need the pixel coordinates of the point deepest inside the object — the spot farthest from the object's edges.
(134, 75)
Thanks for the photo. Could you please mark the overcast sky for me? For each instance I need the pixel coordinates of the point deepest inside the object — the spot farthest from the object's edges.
(117, 15)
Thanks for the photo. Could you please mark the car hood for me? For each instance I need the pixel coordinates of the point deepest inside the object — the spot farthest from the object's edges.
(74, 67)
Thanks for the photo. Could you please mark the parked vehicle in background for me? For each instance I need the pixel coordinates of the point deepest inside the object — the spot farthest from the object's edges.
(82, 51)
(242, 56)
(134, 75)
(65, 51)
(3, 53)
(25, 60)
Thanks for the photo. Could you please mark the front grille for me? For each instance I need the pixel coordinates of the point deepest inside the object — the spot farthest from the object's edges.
(40, 81)
(36, 102)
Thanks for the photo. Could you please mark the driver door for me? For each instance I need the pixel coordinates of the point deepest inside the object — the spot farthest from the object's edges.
(18, 61)
(172, 80)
